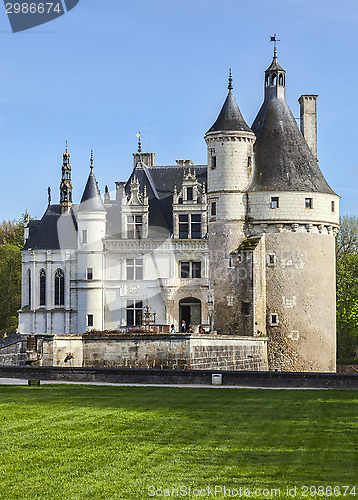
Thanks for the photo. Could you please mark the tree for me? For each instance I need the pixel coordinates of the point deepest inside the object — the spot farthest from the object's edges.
(347, 238)
(11, 243)
(347, 307)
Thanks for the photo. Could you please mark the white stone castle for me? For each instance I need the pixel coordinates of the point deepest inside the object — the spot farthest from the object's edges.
(243, 246)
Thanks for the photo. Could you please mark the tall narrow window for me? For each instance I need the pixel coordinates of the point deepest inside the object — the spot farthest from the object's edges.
(183, 226)
(332, 206)
(134, 312)
(196, 226)
(59, 288)
(84, 236)
(29, 288)
(42, 287)
(274, 202)
(134, 269)
(213, 209)
(134, 227)
(90, 273)
(89, 319)
(189, 193)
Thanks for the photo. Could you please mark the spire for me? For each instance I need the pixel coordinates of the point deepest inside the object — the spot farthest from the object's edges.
(66, 184)
(91, 200)
(230, 117)
(230, 87)
(139, 143)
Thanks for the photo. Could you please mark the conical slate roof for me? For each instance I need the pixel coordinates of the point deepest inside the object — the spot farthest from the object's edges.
(230, 117)
(91, 199)
(283, 160)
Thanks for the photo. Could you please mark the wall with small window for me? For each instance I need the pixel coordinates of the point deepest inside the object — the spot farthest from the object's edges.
(292, 206)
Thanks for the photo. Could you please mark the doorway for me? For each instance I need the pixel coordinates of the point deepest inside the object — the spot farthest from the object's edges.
(190, 311)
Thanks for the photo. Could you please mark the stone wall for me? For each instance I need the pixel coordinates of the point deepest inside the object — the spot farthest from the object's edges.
(13, 350)
(153, 351)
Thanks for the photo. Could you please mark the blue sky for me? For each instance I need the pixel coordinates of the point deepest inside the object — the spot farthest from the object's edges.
(109, 68)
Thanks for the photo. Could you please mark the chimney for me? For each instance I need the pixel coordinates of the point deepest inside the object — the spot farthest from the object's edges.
(308, 121)
(120, 190)
(147, 158)
(184, 163)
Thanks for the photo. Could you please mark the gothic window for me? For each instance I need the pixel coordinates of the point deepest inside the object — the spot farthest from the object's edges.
(84, 236)
(190, 269)
(189, 193)
(89, 319)
(89, 273)
(134, 227)
(59, 288)
(134, 312)
(29, 287)
(281, 79)
(274, 202)
(134, 269)
(308, 203)
(42, 287)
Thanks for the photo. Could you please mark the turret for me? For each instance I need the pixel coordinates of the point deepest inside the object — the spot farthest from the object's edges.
(230, 144)
(66, 184)
(91, 221)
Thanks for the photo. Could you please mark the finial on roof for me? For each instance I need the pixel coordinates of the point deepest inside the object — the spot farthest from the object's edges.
(49, 195)
(230, 87)
(139, 143)
(274, 40)
(91, 165)
(66, 147)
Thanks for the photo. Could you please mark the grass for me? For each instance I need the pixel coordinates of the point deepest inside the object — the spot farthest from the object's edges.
(102, 442)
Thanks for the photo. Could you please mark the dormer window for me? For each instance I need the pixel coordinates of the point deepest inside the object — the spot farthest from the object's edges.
(134, 227)
(189, 193)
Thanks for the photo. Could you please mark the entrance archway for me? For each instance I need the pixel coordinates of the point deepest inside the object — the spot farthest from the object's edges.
(190, 311)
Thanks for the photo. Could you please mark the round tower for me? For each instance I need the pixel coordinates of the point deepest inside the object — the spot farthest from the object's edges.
(293, 207)
(230, 164)
(91, 221)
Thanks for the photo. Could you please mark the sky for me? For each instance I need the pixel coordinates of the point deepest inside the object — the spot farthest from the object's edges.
(110, 68)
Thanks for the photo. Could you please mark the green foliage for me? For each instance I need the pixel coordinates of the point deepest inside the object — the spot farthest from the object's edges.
(347, 306)
(11, 243)
(75, 442)
(347, 238)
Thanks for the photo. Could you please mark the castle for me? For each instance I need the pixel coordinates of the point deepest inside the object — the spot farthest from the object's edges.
(243, 245)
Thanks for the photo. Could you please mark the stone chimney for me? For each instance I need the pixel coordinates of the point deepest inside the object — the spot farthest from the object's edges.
(308, 121)
(184, 163)
(147, 158)
(120, 190)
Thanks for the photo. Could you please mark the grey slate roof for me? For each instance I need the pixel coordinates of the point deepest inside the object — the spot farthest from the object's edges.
(230, 117)
(91, 199)
(283, 160)
(54, 231)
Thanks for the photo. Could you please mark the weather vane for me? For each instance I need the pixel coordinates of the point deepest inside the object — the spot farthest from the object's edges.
(274, 40)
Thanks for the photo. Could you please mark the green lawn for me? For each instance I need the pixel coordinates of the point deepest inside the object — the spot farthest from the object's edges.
(78, 442)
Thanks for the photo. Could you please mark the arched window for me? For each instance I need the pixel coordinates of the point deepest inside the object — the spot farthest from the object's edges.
(59, 288)
(42, 287)
(29, 287)
(281, 79)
